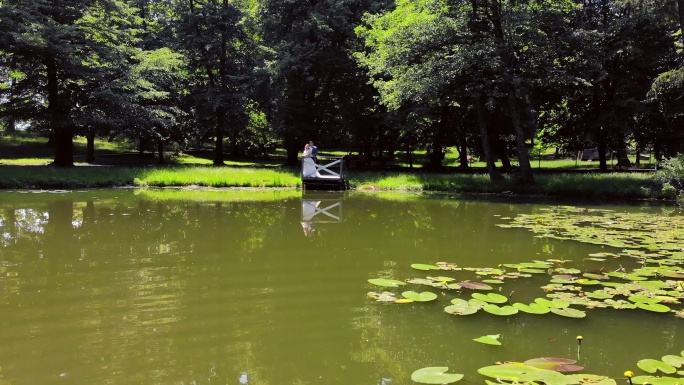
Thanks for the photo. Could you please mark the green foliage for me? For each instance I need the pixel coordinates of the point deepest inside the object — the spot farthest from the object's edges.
(671, 175)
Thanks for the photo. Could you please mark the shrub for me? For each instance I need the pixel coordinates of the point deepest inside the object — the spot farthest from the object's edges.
(672, 172)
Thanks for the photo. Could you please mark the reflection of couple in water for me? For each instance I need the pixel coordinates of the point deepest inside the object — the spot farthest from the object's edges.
(308, 212)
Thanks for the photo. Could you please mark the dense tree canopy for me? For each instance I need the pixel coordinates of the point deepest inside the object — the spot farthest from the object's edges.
(495, 78)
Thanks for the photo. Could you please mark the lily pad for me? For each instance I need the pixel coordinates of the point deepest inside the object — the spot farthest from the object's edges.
(501, 311)
(420, 297)
(382, 297)
(671, 359)
(462, 309)
(474, 285)
(656, 380)
(556, 303)
(435, 375)
(422, 266)
(489, 339)
(386, 282)
(569, 312)
(533, 308)
(491, 297)
(650, 365)
(654, 307)
(519, 373)
(592, 379)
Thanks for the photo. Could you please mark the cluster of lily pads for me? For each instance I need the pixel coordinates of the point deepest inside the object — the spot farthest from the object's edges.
(553, 371)
(656, 284)
(655, 242)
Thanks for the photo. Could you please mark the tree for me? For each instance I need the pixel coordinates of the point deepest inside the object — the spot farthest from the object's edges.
(220, 58)
(60, 56)
(315, 87)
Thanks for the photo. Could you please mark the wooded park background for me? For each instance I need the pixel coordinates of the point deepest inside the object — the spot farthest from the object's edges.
(494, 78)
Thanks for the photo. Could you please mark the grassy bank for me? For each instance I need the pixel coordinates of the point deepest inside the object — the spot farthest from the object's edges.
(592, 185)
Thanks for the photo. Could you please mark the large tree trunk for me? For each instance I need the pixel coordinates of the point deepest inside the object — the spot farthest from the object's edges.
(218, 148)
(90, 146)
(160, 151)
(494, 174)
(59, 111)
(437, 154)
(523, 157)
(292, 149)
(601, 146)
(463, 152)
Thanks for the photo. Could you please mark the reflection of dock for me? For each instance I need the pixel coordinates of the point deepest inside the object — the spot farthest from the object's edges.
(319, 176)
(320, 208)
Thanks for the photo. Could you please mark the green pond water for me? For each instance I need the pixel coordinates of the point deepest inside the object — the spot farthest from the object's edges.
(270, 287)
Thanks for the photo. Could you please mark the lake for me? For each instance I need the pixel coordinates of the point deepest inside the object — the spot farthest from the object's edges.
(125, 286)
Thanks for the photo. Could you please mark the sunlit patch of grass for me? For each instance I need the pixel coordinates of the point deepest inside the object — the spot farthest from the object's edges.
(218, 177)
(26, 161)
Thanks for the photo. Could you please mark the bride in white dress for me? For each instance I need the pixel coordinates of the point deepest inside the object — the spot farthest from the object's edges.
(309, 167)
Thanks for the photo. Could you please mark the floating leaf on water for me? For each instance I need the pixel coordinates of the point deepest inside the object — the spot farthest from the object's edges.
(420, 281)
(599, 294)
(492, 339)
(519, 373)
(491, 297)
(489, 271)
(652, 380)
(441, 279)
(386, 282)
(671, 359)
(550, 363)
(474, 285)
(654, 307)
(423, 266)
(435, 375)
(461, 309)
(382, 297)
(493, 281)
(643, 299)
(500, 311)
(533, 308)
(650, 365)
(552, 304)
(569, 312)
(568, 368)
(403, 300)
(592, 379)
(420, 297)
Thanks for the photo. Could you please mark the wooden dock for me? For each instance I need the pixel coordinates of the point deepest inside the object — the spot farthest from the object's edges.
(322, 175)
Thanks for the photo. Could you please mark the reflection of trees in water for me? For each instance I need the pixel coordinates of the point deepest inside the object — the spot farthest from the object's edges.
(116, 275)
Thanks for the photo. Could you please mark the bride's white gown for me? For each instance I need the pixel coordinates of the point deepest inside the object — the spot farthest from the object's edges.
(309, 168)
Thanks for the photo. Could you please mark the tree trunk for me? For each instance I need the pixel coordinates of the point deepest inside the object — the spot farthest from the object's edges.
(292, 149)
(601, 146)
(523, 156)
(409, 157)
(494, 174)
(463, 152)
(142, 143)
(160, 151)
(64, 135)
(218, 148)
(437, 154)
(11, 126)
(90, 147)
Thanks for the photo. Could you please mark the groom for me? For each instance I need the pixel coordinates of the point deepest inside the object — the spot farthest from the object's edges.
(314, 151)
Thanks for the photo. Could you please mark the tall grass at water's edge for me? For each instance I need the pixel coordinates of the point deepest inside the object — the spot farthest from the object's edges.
(603, 186)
